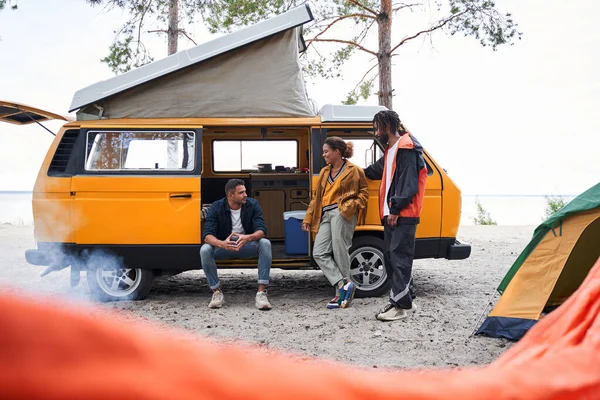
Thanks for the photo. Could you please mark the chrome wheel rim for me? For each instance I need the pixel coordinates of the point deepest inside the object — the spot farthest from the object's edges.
(119, 282)
(367, 270)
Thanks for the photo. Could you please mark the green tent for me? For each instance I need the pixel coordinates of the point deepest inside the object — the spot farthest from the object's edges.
(550, 268)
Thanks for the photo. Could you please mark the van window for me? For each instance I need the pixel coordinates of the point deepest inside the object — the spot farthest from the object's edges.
(140, 150)
(366, 151)
(245, 155)
(429, 169)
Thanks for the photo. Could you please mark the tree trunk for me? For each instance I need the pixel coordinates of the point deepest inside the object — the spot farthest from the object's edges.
(173, 31)
(173, 161)
(384, 24)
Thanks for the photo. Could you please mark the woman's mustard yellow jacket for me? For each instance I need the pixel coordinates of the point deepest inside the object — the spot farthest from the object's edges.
(353, 201)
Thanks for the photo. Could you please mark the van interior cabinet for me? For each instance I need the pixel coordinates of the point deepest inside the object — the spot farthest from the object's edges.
(272, 203)
(277, 193)
(297, 199)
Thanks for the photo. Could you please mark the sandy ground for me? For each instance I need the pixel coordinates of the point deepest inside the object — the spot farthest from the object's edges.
(451, 296)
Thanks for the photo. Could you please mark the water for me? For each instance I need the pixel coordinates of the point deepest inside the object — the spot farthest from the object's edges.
(15, 208)
(507, 209)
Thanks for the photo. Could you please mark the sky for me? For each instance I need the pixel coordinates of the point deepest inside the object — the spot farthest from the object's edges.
(520, 120)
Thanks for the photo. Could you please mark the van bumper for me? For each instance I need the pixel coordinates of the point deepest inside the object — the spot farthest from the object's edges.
(48, 253)
(53, 258)
(458, 251)
(36, 257)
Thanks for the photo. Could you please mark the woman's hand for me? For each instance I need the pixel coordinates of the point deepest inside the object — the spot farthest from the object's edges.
(305, 227)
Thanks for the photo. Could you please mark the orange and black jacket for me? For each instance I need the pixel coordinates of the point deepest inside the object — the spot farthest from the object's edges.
(405, 197)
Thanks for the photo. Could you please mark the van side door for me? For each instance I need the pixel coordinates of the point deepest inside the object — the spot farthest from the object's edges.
(137, 194)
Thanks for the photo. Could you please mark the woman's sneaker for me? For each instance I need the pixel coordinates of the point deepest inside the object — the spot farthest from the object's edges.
(348, 292)
(334, 303)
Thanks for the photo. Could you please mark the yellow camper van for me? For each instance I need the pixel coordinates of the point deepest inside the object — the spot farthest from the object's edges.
(123, 190)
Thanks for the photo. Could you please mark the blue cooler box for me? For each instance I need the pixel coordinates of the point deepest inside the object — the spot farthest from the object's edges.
(296, 240)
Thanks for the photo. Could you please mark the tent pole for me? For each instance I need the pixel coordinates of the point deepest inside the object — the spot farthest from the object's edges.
(482, 314)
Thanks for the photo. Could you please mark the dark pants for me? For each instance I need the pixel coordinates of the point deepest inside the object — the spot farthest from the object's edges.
(398, 255)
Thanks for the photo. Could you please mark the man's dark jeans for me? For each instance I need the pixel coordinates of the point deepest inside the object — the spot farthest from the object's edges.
(399, 252)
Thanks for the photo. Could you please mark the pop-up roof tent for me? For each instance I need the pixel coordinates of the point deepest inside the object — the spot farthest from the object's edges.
(551, 267)
(254, 72)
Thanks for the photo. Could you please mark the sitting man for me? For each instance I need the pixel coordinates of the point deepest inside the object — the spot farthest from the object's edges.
(235, 228)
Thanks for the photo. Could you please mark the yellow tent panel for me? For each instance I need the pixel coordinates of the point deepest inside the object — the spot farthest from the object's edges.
(550, 269)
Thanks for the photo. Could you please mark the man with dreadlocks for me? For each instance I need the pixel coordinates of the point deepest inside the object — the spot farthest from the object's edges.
(402, 172)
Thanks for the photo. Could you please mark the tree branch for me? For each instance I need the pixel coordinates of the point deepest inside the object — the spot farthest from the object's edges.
(184, 33)
(142, 21)
(317, 51)
(338, 19)
(365, 75)
(433, 28)
(359, 4)
(345, 42)
(187, 36)
(402, 6)
(365, 31)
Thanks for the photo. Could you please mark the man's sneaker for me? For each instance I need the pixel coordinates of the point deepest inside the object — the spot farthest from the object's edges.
(262, 302)
(412, 290)
(334, 303)
(348, 290)
(217, 300)
(391, 313)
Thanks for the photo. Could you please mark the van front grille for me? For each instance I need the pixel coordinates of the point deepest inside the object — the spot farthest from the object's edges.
(60, 161)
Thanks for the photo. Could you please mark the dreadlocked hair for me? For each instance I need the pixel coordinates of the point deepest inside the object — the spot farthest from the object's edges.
(387, 120)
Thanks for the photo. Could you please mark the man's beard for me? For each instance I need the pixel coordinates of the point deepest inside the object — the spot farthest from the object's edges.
(384, 139)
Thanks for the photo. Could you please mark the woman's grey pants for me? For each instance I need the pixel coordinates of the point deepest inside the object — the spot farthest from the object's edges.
(332, 243)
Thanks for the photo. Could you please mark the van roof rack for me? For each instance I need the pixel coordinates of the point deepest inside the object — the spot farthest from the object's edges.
(348, 113)
(283, 22)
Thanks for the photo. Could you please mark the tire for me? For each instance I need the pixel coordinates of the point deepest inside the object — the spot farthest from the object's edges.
(119, 284)
(367, 269)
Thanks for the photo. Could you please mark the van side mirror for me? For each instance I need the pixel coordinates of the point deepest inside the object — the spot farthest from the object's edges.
(368, 157)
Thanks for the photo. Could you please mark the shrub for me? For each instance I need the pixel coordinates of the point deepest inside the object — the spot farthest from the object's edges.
(553, 204)
(483, 217)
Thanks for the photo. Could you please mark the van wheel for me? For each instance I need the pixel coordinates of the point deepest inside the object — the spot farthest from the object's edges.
(367, 269)
(119, 284)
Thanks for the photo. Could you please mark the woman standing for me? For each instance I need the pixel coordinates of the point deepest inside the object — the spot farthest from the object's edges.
(339, 201)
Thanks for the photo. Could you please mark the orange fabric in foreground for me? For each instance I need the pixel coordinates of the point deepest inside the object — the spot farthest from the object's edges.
(50, 352)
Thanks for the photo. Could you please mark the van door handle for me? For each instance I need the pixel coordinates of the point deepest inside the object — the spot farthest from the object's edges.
(181, 196)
